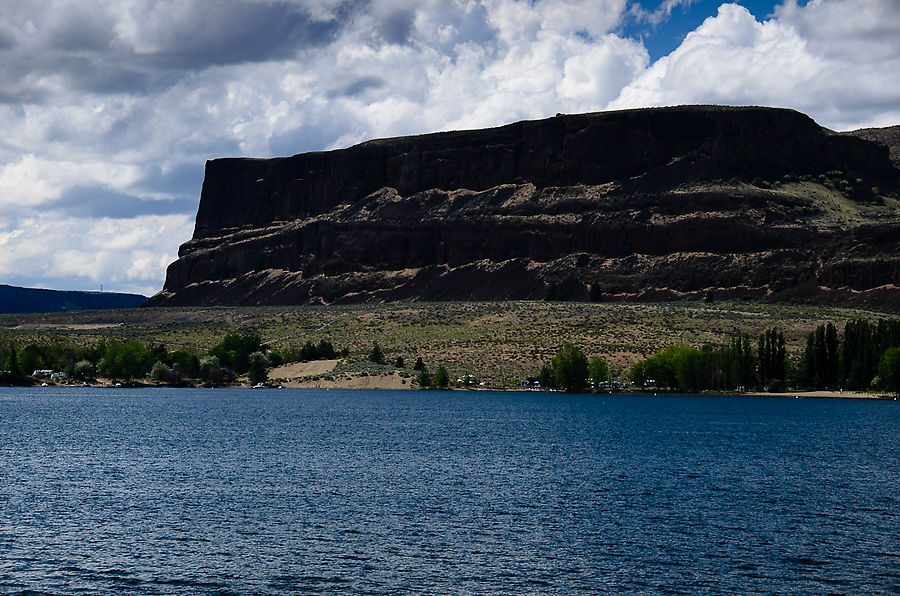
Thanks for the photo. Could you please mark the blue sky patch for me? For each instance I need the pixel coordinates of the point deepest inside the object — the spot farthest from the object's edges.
(663, 37)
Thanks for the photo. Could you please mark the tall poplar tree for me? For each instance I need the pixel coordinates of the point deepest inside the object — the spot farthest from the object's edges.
(772, 357)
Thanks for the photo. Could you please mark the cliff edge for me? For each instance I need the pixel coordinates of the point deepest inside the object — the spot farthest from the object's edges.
(652, 204)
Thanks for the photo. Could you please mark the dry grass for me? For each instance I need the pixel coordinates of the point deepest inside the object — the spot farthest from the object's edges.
(496, 340)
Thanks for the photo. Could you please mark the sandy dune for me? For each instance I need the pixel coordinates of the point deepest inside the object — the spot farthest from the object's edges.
(828, 394)
(389, 381)
(298, 370)
(301, 374)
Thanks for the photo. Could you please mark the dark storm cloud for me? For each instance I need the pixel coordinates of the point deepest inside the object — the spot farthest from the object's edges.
(230, 33)
(184, 178)
(88, 72)
(98, 77)
(99, 201)
(7, 40)
(358, 87)
(79, 30)
(83, 48)
(396, 28)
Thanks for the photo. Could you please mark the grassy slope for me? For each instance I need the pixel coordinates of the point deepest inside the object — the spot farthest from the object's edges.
(499, 340)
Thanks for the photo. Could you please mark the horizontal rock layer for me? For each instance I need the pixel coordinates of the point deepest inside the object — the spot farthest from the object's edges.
(651, 204)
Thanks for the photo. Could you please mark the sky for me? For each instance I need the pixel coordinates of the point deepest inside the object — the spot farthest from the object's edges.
(109, 109)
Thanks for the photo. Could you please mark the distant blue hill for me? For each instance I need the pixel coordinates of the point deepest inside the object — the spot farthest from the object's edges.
(21, 300)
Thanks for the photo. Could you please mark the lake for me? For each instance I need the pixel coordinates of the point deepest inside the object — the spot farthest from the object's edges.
(159, 491)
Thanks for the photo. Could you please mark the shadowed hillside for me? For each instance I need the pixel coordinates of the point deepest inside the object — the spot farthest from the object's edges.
(30, 300)
(888, 136)
(693, 202)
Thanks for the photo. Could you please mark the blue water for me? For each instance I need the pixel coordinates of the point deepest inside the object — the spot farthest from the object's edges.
(157, 491)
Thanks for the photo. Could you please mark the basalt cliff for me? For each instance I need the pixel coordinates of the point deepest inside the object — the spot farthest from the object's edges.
(693, 202)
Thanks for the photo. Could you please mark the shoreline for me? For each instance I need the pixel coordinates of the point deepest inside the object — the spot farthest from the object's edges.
(395, 382)
(826, 395)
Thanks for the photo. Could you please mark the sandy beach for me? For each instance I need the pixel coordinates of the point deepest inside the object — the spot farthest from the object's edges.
(390, 381)
(308, 375)
(827, 394)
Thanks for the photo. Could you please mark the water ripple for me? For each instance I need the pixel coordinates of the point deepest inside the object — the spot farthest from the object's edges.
(250, 492)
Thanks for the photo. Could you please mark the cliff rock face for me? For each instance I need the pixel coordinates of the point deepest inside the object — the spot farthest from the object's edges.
(652, 204)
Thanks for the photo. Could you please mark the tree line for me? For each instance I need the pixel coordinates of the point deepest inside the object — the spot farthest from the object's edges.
(129, 359)
(571, 371)
(865, 356)
(738, 366)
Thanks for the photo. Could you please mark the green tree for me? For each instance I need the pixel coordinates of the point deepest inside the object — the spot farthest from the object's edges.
(889, 370)
(808, 369)
(185, 364)
(637, 374)
(819, 367)
(326, 350)
(398, 362)
(163, 373)
(772, 362)
(275, 358)
(211, 370)
(660, 369)
(741, 363)
(419, 365)
(690, 372)
(234, 351)
(12, 362)
(686, 368)
(30, 359)
(831, 356)
(297, 353)
(376, 355)
(159, 353)
(570, 368)
(84, 370)
(887, 335)
(424, 378)
(820, 357)
(547, 378)
(125, 360)
(859, 360)
(598, 370)
(441, 377)
(259, 368)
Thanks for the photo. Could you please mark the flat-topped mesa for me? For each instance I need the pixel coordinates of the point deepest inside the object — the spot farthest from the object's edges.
(587, 149)
(649, 204)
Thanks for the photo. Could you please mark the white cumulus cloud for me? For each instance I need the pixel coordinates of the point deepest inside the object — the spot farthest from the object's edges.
(110, 108)
(836, 60)
(89, 252)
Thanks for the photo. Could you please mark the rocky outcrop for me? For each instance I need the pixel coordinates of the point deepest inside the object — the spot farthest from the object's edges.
(654, 204)
(888, 136)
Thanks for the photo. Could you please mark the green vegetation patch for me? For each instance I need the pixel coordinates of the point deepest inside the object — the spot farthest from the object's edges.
(499, 341)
